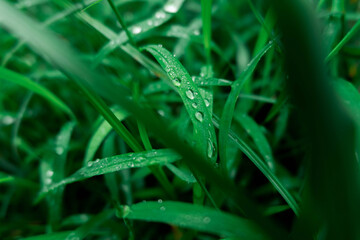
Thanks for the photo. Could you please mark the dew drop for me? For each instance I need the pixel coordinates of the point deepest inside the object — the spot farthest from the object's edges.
(59, 150)
(49, 173)
(150, 22)
(7, 120)
(194, 105)
(162, 208)
(176, 82)
(160, 15)
(199, 116)
(207, 220)
(190, 94)
(136, 30)
(207, 103)
(170, 8)
(160, 201)
(210, 149)
(90, 163)
(197, 32)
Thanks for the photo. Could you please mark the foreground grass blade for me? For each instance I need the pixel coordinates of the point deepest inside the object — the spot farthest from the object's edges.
(194, 217)
(259, 163)
(16, 78)
(68, 63)
(50, 236)
(193, 100)
(228, 112)
(332, 164)
(117, 163)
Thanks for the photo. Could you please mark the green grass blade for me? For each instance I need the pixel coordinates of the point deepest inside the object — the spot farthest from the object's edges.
(99, 135)
(193, 100)
(194, 217)
(84, 230)
(117, 163)
(228, 112)
(206, 26)
(254, 130)
(163, 15)
(259, 163)
(343, 41)
(50, 236)
(23, 81)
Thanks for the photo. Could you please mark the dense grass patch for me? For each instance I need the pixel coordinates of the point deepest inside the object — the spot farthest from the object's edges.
(179, 119)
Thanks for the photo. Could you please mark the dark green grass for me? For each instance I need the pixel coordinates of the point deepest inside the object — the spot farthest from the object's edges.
(179, 119)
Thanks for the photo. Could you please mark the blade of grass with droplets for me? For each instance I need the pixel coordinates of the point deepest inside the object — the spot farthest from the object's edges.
(228, 112)
(68, 63)
(191, 216)
(99, 135)
(163, 15)
(116, 163)
(259, 163)
(53, 170)
(193, 101)
(254, 130)
(23, 81)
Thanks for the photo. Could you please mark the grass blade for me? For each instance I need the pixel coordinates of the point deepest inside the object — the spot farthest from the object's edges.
(117, 163)
(228, 112)
(23, 81)
(259, 163)
(193, 100)
(194, 217)
(206, 26)
(254, 130)
(100, 134)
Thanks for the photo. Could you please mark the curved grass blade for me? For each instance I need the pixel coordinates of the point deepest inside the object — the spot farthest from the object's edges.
(228, 112)
(259, 163)
(194, 217)
(163, 15)
(19, 79)
(254, 130)
(193, 100)
(116, 163)
(200, 81)
(100, 134)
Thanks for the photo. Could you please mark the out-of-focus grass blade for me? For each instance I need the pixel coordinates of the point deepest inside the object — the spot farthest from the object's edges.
(84, 230)
(206, 26)
(193, 100)
(194, 217)
(228, 112)
(8, 75)
(170, 8)
(117, 163)
(254, 130)
(343, 41)
(99, 135)
(259, 163)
